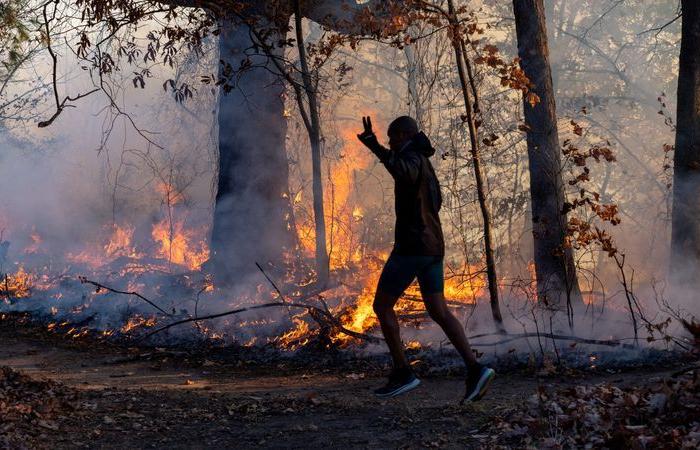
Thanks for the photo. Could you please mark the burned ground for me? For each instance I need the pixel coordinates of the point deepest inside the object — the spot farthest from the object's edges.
(106, 396)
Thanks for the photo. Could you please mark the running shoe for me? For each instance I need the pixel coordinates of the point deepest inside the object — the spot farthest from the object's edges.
(478, 382)
(400, 381)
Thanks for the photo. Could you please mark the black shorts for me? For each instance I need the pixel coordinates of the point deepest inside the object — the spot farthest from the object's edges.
(400, 271)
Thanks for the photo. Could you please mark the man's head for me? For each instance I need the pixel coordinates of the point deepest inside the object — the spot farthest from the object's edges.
(400, 131)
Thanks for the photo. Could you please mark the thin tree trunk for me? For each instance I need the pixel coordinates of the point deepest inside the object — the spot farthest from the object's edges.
(554, 261)
(685, 235)
(413, 72)
(252, 210)
(313, 127)
(458, 45)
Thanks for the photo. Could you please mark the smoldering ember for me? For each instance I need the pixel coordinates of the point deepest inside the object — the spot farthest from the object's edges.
(349, 224)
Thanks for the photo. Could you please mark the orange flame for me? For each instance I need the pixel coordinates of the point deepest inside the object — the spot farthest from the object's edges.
(179, 245)
(16, 285)
(120, 243)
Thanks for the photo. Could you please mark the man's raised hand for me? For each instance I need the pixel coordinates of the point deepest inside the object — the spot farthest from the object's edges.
(367, 124)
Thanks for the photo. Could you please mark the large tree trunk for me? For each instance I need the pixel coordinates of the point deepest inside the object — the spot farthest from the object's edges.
(252, 211)
(554, 264)
(685, 236)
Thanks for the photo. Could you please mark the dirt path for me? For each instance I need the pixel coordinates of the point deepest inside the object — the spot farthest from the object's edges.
(154, 399)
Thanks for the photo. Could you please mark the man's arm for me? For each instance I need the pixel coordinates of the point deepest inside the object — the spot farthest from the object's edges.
(401, 165)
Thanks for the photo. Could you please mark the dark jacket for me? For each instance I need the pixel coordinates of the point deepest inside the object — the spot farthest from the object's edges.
(417, 196)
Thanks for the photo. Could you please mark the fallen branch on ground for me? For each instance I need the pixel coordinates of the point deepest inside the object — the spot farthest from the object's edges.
(560, 337)
(317, 313)
(84, 280)
(330, 319)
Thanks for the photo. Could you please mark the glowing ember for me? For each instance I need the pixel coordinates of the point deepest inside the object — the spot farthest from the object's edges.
(137, 321)
(413, 345)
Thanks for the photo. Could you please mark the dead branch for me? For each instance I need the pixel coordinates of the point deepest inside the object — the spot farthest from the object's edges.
(560, 337)
(318, 314)
(84, 280)
(331, 320)
(60, 105)
(629, 295)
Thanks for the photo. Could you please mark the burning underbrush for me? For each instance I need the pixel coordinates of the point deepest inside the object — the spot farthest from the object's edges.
(149, 284)
(151, 288)
(130, 283)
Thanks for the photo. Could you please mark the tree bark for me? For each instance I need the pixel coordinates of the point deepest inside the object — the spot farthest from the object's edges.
(252, 211)
(685, 235)
(554, 262)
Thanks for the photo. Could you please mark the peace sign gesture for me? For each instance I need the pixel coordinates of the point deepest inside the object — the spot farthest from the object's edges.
(367, 124)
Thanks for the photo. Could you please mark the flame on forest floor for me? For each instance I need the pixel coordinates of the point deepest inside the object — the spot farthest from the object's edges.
(345, 231)
(350, 219)
(121, 242)
(296, 337)
(180, 245)
(465, 287)
(16, 285)
(137, 321)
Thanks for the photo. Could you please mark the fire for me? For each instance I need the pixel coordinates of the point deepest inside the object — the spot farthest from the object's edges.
(356, 261)
(297, 337)
(343, 209)
(362, 317)
(360, 265)
(465, 287)
(413, 345)
(179, 245)
(137, 321)
(120, 243)
(16, 285)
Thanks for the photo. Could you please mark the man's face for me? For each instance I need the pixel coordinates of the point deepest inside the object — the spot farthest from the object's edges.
(397, 140)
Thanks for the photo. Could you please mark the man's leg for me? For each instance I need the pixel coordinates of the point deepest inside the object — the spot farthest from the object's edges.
(395, 278)
(431, 280)
(384, 309)
(398, 273)
(436, 306)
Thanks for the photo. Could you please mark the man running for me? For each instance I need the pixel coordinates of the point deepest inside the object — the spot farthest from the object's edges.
(418, 252)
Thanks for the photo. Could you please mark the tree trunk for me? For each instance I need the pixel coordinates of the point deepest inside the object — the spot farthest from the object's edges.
(685, 236)
(252, 211)
(458, 45)
(312, 121)
(554, 263)
(414, 70)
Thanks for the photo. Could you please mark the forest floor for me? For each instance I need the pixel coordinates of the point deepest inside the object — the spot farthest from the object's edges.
(103, 396)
